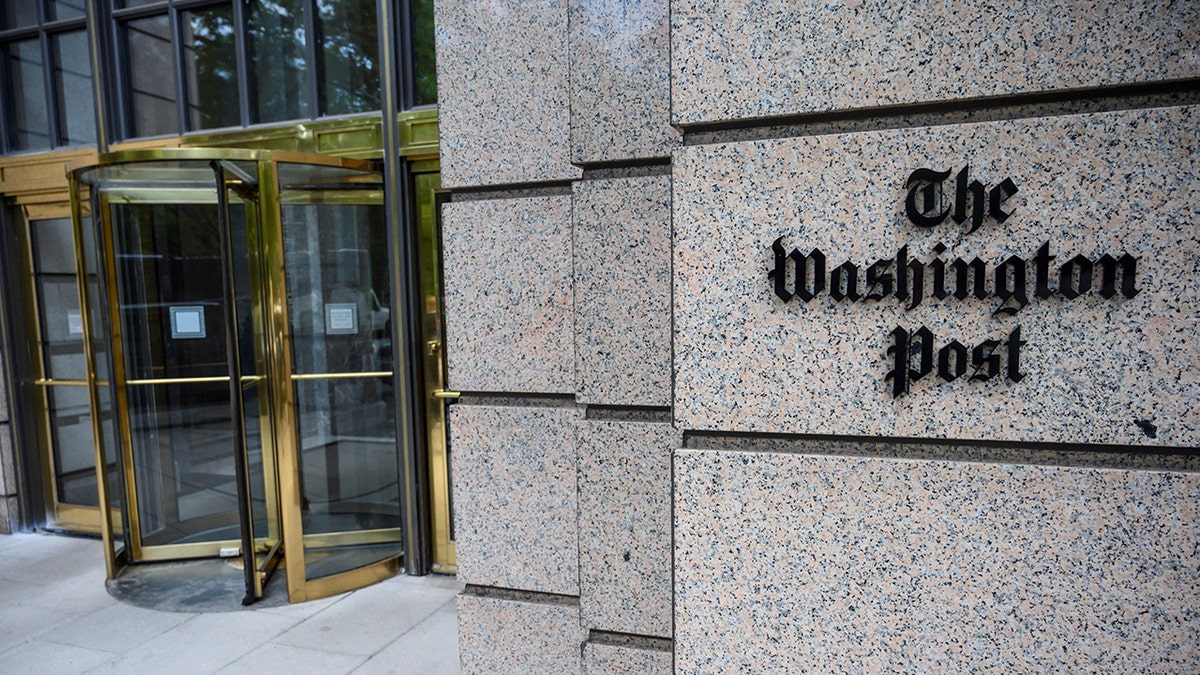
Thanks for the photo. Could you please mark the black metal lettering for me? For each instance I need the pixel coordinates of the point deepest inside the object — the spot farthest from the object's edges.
(1041, 265)
(1127, 266)
(818, 273)
(779, 273)
(965, 273)
(1013, 344)
(844, 276)
(956, 350)
(1075, 277)
(899, 354)
(939, 272)
(986, 360)
(907, 271)
(924, 354)
(961, 190)
(878, 277)
(927, 184)
(1010, 286)
(997, 196)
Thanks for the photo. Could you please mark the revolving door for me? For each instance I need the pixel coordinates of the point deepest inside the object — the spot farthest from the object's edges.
(238, 317)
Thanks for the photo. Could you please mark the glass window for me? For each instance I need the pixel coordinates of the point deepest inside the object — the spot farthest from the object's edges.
(151, 76)
(46, 51)
(20, 14)
(277, 61)
(30, 120)
(210, 66)
(424, 61)
(65, 9)
(350, 55)
(73, 89)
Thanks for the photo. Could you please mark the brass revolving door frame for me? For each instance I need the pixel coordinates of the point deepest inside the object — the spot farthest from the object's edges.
(254, 178)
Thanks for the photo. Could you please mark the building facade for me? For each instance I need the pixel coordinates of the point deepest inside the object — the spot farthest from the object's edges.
(823, 337)
(222, 305)
(782, 337)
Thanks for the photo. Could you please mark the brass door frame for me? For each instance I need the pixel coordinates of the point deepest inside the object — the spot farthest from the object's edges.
(279, 377)
(426, 194)
(58, 514)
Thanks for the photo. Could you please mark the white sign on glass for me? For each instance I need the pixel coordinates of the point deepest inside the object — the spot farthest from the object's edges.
(341, 318)
(187, 322)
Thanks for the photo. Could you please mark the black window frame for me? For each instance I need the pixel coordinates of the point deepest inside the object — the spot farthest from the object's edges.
(44, 31)
(316, 105)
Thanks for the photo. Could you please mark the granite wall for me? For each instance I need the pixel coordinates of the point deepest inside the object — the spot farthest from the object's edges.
(9, 510)
(800, 336)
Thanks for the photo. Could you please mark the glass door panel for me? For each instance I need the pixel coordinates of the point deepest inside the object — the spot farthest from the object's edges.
(170, 303)
(252, 373)
(65, 415)
(339, 304)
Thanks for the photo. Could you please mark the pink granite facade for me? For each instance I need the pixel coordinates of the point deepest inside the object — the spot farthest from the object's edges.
(683, 243)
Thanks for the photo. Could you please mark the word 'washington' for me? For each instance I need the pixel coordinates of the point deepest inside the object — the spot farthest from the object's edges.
(907, 279)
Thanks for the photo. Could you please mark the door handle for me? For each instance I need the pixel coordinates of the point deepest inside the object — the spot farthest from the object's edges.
(444, 393)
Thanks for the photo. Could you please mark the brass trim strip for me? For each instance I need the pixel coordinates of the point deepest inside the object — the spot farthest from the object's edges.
(203, 549)
(388, 535)
(246, 379)
(51, 382)
(301, 377)
(333, 584)
(180, 380)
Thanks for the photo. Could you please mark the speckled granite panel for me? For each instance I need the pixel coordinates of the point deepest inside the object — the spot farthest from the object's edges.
(742, 59)
(625, 526)
(507, 270)
(3, 394)
(623, 291)
(516, 505)
(1121, 370)
(507, 636)
(620, 63)
(8, 471)
(603, 659)
(503, 91)
(8, 514)
(798, 563)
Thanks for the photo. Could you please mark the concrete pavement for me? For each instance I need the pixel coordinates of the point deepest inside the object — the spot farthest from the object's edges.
(57, 617)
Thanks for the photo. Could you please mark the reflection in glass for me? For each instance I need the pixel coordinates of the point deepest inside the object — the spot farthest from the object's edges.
(337, 284)
(340, 308)
(59, 317)
(151, 76)
(65, 9)
(349, 469)
(71, 440)
(350, 50)
(277, 61)
(19, 13)
(73, 89)
(183, 462)
(169, 256)
(30, 123)
(210, 67)
(424, 60)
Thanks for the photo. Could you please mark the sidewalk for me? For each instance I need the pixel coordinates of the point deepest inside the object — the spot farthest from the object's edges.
(56, 617)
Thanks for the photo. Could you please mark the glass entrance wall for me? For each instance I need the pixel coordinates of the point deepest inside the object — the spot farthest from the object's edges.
(339, 306)
(305, 459)
(169, 274)
(64, 368)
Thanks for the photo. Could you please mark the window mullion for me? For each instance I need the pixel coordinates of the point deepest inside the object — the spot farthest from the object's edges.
(181, 99)
(315, 65)
(48, 80)
(243, 62)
